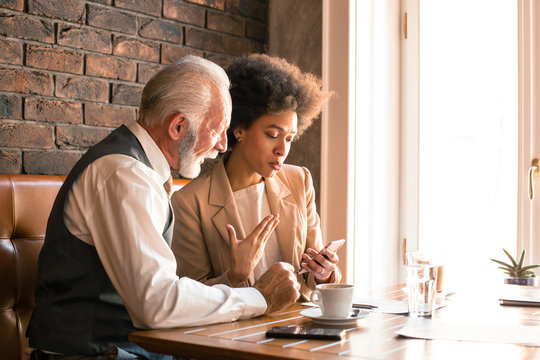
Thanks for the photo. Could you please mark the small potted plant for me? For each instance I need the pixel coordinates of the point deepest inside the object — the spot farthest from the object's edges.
(517, 273)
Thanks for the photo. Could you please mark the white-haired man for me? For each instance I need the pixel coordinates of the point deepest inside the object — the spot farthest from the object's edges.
(106, 268)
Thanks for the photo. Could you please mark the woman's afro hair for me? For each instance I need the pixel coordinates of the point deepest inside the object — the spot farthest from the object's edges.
(262, 84)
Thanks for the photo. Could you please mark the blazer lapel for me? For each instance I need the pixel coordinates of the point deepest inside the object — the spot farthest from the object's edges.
(282, 202)
(220, 195)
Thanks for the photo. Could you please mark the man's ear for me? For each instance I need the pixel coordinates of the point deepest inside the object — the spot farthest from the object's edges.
(178, 126)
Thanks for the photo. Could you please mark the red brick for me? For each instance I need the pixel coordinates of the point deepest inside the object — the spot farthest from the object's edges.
(26, 27)
(26, 135)
(256, 30)
(104, 2)
(10, 52)
(81, 88)
(205, 40)
(69, 10)
(160, 30)
(126, 94)
(151, 7)
(49, 162)
(54, 59)
(12, 4)
(146, 71)
(225, 23)
(78, 137)
(10, 161)
(82, 37)
(52, 111)
(239, 46)
(171, 53)
(26, 81)
(10, 107)
(216, 4)
(111, 19)
(185, 13)
(108, 115)
(110, 67)
(135, 48)
(254, 9)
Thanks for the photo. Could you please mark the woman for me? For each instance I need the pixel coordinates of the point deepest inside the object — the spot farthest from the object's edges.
(251, 190)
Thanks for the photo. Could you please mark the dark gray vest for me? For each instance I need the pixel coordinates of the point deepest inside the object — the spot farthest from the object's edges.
(77, 310)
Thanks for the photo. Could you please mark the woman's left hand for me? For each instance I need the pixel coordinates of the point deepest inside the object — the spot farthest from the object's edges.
(321, 265)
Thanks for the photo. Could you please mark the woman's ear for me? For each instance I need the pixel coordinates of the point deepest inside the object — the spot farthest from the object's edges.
(178, 126)
(238, 133)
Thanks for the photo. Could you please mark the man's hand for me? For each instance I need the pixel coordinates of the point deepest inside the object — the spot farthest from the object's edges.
(279, 287)
(245, 254)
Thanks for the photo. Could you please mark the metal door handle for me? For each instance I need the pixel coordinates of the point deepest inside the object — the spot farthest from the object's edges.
(533, 171)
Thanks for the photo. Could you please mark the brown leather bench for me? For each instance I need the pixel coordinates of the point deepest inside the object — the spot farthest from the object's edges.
(25, 203)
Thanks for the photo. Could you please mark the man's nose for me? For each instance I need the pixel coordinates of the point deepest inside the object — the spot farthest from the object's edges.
(221, 144)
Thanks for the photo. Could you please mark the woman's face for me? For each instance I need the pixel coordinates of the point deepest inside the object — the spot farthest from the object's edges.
(266, 143)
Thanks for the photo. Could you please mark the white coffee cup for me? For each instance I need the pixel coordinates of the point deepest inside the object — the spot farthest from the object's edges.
(335, 300)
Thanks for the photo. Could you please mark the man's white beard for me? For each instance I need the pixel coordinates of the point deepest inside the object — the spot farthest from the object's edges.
(190, 164)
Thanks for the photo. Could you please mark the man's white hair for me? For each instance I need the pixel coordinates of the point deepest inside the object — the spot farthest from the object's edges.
(187, 87)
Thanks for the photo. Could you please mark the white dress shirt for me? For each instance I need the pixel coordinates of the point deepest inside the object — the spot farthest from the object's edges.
(119, 206)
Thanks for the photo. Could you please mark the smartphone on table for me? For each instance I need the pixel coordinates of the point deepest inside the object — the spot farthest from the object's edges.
(299, 332)
(333, 245)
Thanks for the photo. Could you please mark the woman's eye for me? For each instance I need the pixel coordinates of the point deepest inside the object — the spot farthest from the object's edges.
(273, 136)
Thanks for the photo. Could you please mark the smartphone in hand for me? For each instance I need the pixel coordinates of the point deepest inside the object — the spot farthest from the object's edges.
(333, 245)
(298, 332)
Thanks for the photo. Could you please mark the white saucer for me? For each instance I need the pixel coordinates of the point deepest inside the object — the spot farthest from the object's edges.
(315, 315)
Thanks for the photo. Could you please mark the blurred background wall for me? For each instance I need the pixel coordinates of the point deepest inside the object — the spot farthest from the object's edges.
(73, 70)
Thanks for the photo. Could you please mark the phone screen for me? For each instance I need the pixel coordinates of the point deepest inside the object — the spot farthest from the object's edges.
(305, 333)
(335, 245)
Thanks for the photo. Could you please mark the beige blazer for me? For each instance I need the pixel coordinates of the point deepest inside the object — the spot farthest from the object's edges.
(203, 207)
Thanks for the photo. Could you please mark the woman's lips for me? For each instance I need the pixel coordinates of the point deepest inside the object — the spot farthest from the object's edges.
(275, 165)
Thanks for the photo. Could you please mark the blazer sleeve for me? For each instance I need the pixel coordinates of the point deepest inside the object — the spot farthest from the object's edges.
(313, 235)
(188, 244)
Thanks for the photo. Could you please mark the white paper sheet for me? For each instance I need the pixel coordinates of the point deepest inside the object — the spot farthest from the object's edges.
(436, 329)
(388, 306)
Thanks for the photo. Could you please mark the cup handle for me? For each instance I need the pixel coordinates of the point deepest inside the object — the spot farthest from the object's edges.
(316, 298)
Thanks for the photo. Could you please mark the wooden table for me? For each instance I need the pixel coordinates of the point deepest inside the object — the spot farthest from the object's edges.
(372, 337)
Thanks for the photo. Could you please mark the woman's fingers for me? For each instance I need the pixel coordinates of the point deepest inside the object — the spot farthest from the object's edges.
(311, 265)
(320, 265)
(262, 231)
(270, 227)
(262, 226)
(232, 235)
(324, 258)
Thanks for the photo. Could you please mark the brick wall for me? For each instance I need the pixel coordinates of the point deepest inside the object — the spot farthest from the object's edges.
(73, 70)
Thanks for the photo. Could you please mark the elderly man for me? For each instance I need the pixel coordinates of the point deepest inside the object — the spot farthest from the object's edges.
(106, 268)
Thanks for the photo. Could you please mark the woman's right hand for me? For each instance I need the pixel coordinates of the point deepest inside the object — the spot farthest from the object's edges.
(245, 254)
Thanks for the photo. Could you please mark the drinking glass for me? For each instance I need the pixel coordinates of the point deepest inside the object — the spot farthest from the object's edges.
(421, 285)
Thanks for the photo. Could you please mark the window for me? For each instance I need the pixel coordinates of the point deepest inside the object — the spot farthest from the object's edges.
(383, 144)
(468, 127)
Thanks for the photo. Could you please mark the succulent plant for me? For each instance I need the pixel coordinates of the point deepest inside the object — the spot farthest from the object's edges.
(516, 269)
